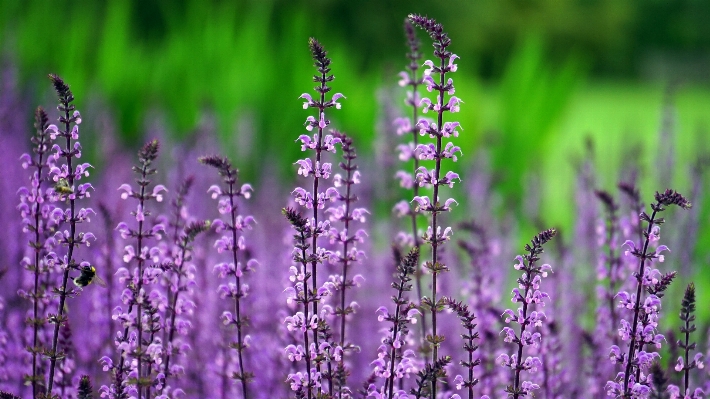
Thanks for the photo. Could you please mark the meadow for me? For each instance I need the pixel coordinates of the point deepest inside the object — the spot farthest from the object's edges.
(178, 230)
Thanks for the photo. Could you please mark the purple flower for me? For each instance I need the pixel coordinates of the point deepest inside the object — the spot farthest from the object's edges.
(65, 176)
(139, 348)
(641, 332)
(527, 294)
(442, 85)
(232, 242)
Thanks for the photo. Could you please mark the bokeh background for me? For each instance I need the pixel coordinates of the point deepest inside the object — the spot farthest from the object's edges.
(549, 85)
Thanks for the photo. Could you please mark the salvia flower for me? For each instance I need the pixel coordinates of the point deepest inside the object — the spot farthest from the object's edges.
(65, 174)
(35, 209)
(433, 179)
(180, 276)
(642, 331)
(233, 242)
(407, 152)
(319, 171)
(528, 294)
(348, 238)
(467, 317)
(684, 363)
(393, 361)
(138, 344)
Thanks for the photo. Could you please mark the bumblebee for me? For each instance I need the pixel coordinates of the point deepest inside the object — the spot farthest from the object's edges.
(87, 276)
(63, 187)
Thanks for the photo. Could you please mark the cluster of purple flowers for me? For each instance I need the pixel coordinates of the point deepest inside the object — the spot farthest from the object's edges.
(194, 317)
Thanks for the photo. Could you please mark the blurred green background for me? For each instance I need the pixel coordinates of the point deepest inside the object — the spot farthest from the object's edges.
(538, 77)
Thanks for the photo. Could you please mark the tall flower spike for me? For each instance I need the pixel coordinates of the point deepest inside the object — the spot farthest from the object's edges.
(180, 276)
(527, 293)
(34, 207)
(467, 317)
(301, 295)
(65, 176)
(318, 170)
(393, 361)
(138, 345)
(232, 242)
(408, 125)
(642, 332)
(610, 272)
(348, 237)
(685, 364)
(441, 86)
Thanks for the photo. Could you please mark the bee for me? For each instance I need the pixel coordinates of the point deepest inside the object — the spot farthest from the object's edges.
(87, 276)
(63, 187)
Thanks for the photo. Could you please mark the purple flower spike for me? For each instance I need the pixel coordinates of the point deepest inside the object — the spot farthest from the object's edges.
(528, 294)
(641, 331)
(232, 242)
(441, 85)
(323, 350)
(35, 210)
(64, 190)
(139, 349)
(684, 363)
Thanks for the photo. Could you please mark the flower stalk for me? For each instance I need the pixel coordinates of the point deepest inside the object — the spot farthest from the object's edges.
(233, 243)
(527, 293)
(65, 189)
(436, 152)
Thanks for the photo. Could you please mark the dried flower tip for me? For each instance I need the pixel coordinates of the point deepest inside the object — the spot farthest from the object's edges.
(222, 164)
(7, 395)
(61, 88)
(41, 119)
(663, 283)
(412, 258)
(195, 228)
(606, 199)
(412, 40)
(672, 197)
(430, 25)
(318, 52)
(85, 390)
(688, 303)
(543, 237)
(294, 217)
(149, 151)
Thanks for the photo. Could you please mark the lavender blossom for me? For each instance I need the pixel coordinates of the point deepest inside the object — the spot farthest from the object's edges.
(432, 178)
(407, 151)
(233, 243)
(642, 332)
(467, 317)
(302, 383)
(393, 362)
(180, 275)
(684, 363)
(610, 262)
(610, 273)
(315, 199)
(346, 213)
(529, 283)
(65, 177)
(67, 365)
(139, 348)
(483, 294)
(34, 208)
